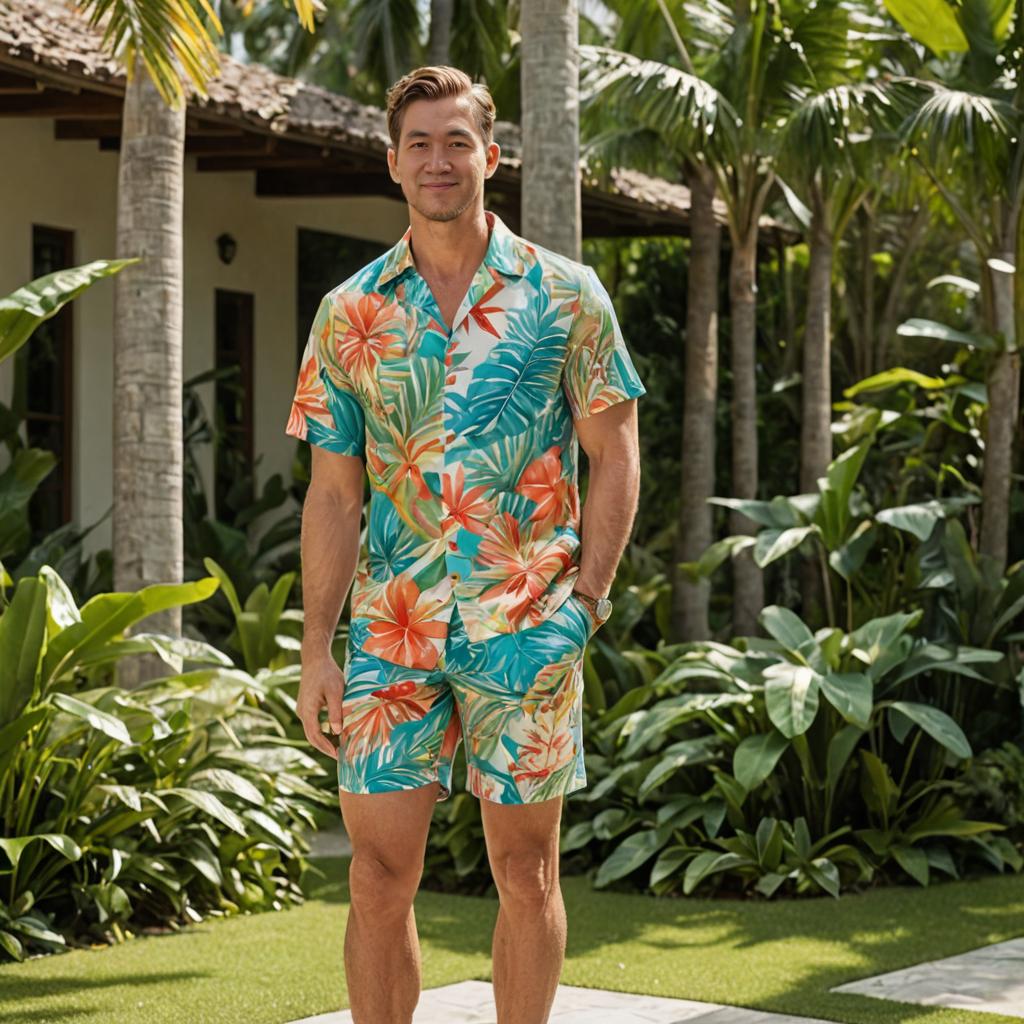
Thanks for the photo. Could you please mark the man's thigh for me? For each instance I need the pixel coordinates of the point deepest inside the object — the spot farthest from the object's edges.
(390, 828)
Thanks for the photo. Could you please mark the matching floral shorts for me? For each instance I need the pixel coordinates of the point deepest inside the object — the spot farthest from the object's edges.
(515, 700)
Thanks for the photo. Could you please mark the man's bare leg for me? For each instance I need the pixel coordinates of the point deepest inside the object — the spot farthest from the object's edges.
(530, 933)
(388, 832)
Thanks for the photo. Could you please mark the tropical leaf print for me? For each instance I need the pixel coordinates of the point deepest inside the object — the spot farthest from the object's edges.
(467, 436)
(510, 389)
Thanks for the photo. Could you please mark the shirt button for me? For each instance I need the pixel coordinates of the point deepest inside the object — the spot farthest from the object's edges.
(455, 577)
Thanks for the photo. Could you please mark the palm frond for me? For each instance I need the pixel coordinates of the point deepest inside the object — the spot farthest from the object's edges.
(966, 129)
(170, 37)
(689, 114)
(387, 36)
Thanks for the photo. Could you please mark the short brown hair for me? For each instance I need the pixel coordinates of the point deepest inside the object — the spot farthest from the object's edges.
(438, 82)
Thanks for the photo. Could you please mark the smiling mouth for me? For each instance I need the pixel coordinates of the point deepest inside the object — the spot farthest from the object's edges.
(439, 184)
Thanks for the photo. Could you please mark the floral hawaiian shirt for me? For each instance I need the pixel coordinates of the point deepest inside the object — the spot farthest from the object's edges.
(467, 435)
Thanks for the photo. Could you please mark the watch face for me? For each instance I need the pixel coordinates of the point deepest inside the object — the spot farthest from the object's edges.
(604, 608)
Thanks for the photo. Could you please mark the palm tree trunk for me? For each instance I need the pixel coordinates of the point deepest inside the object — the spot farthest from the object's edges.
(147, 442)
(1003, 413)
(694, 533)
(816, 393)
(439, 45)
(549, 87)
(748, 580)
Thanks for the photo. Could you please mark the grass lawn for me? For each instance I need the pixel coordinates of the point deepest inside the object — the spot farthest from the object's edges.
(782, 955)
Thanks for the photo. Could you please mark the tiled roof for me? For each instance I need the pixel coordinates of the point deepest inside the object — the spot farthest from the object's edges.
(57, 41)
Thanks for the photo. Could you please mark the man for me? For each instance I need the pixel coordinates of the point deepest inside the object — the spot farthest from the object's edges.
(459, 371)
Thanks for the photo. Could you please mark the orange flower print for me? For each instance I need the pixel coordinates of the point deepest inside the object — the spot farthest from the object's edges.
(542, 482)
(367, 329)
(464, 508)
(407, 627)
(308, 400)
(368, 726)
(524, 567)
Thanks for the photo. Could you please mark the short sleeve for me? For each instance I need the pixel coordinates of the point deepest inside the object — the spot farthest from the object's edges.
(325, 409)
(598, 369)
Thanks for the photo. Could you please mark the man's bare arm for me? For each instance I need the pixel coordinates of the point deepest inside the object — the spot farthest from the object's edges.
(610, 439)
(330, 550)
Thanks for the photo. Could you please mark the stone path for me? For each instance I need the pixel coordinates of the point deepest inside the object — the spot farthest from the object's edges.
(990, 979)
(472, 1002)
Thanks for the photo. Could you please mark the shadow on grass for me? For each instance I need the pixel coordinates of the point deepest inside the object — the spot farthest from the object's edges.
(781, 955)
(21, 992)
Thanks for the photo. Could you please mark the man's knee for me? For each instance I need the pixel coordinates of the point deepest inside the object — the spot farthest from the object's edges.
(526, 877)
(383, 883)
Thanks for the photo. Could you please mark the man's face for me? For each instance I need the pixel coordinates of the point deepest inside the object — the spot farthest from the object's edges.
(441, 161)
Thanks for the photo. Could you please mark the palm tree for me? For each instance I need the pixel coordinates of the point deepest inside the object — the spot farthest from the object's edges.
(829, 155)
(723, 117)
(160, 42)
(968, 136)
(549, 121)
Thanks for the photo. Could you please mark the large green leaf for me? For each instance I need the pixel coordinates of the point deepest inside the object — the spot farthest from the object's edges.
(917, 327)
(851, 694)
(22, 636)
(938, 725)
(101, 720)
(709, 863)
(920, 518)
(890, 378)
(773, 544)
(791, 697)
(931, 22)
(24, 310)
(787, 627)
(64, 845)
(848, 559)
(106, 616)
(18, 483)
(633, 851)
(756, 756)
(833, 514)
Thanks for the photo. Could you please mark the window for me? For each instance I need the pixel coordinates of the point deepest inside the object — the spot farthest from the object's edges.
(43, 387)
(233, 402)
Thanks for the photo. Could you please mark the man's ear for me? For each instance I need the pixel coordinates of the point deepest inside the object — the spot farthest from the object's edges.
(391, 156)
(496, 157)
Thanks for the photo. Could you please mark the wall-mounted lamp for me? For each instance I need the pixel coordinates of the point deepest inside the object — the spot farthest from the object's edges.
(226, 247)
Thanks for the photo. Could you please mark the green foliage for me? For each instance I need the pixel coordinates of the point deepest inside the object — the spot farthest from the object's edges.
(804, 738)
(126, 809)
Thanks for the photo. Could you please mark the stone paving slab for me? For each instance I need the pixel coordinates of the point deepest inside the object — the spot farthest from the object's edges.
(472, 1002)
(989, 979)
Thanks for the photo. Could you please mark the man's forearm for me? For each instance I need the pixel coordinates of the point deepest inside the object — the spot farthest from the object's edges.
(607, 520)
(330, 552)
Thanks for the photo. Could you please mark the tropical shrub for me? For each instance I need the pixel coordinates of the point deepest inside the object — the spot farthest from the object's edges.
(814, 762)
(126, 809)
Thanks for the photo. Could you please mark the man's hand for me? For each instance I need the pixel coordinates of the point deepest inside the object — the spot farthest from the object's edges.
(323, 683)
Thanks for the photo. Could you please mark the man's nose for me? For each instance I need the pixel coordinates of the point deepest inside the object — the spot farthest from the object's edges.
(439, 160)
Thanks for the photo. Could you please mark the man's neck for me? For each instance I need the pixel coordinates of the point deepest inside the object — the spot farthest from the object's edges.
(449, 250)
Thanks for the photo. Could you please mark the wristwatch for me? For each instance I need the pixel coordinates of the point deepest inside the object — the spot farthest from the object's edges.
(600, 607)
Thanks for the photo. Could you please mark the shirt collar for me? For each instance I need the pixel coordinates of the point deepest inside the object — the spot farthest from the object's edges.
(502, 252)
